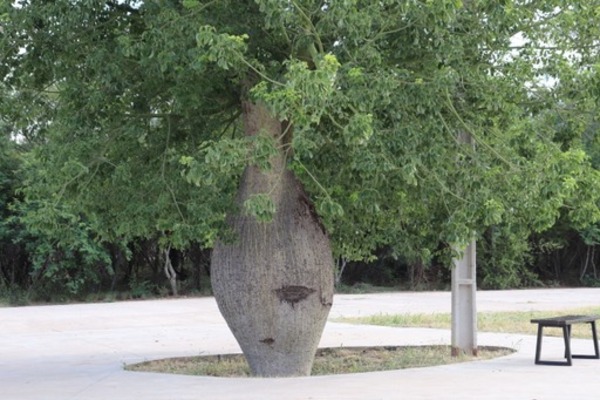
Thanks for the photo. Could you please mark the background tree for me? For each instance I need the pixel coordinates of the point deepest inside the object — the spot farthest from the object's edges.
(338, 120)
(11, 273)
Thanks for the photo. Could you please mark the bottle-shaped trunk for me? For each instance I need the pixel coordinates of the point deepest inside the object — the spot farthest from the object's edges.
(274, 283)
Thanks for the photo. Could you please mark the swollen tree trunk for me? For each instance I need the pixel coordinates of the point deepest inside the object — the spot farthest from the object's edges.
(274, 284)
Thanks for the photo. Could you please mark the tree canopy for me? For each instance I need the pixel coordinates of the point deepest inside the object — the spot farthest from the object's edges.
(135, 107)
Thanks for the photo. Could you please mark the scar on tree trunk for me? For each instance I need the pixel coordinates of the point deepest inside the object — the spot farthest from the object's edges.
(293, 294)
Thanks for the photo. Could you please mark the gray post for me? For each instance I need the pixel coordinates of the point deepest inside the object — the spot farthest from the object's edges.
(464, 310)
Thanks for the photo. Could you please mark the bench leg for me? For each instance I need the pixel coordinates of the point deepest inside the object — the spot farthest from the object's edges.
(596, 354)
(595, 338)
(538, 347)
(567, 337)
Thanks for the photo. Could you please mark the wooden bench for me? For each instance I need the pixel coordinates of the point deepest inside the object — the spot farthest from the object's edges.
(565, 323)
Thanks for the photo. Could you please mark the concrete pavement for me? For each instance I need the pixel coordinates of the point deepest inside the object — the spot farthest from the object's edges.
(78, 352)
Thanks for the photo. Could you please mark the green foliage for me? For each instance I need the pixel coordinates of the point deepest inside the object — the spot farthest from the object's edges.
(65, 257)
(413, 125)
(9, 164)
(261, 207)
(141, 289)
(504, 259)
(13, 258)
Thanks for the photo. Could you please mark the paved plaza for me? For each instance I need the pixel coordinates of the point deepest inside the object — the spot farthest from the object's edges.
(78, 352)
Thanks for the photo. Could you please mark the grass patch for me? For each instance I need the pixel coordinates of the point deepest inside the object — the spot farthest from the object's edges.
(328, 361)
(502, 322)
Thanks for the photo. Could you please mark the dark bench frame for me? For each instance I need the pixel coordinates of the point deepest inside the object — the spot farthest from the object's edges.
(565, 323)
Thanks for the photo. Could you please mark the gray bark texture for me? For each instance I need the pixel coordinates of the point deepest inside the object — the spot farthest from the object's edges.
(274, 284)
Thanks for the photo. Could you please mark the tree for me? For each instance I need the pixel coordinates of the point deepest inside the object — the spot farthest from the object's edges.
(11, 272)
(338, 120)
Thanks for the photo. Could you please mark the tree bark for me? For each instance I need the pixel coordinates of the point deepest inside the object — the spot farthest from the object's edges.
(170, 272)
(274, 284)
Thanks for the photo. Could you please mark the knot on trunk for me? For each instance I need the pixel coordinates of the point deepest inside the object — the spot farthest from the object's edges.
(293, 294)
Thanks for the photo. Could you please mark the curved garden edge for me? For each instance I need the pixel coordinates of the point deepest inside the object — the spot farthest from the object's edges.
(328, 360)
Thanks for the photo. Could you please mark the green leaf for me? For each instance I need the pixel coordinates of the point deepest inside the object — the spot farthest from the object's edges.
(261, 207)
